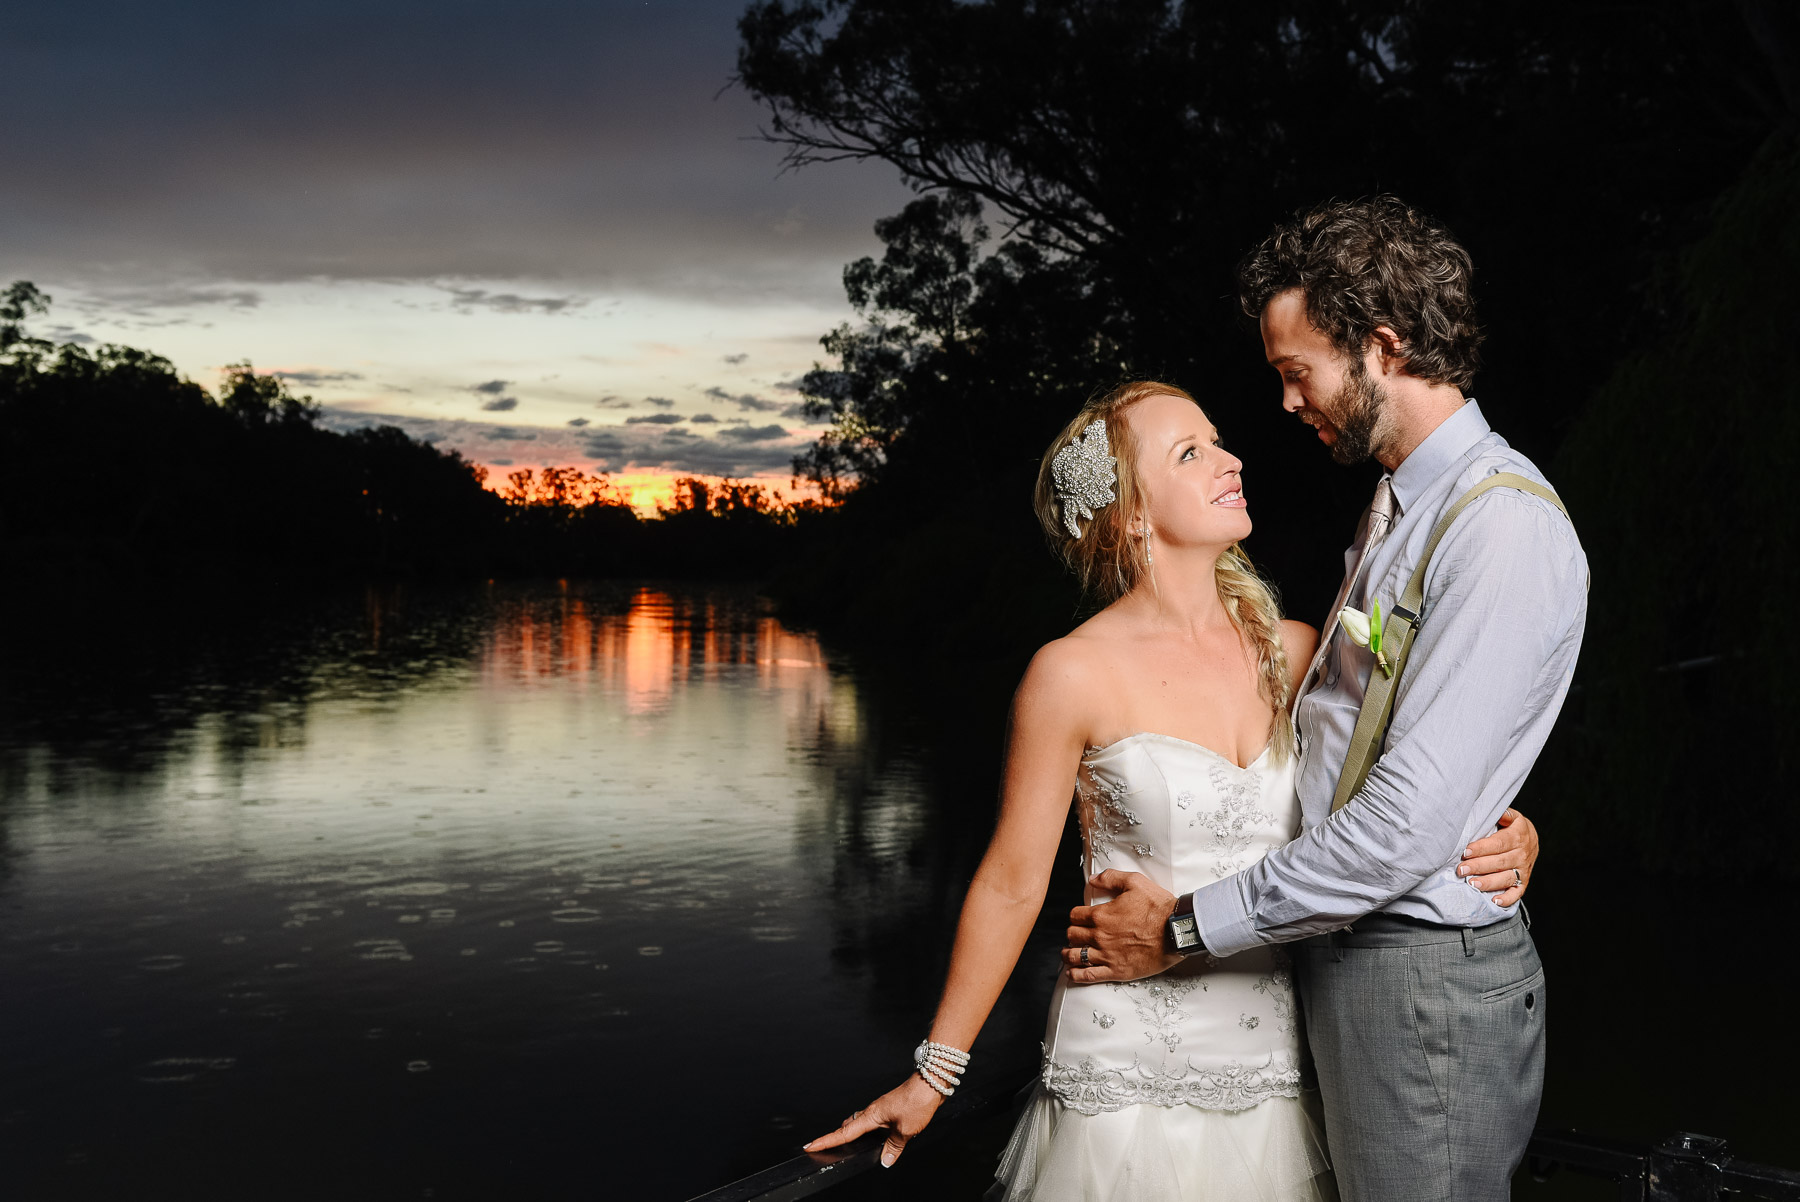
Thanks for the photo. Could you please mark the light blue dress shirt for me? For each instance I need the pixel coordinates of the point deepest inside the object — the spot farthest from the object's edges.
(1505, 607)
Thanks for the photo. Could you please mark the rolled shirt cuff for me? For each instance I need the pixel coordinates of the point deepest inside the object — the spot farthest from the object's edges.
(1223, 916)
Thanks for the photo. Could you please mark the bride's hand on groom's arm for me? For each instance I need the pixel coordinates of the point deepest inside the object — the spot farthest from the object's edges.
(1124, 937)
(904, 1110)
(1489, 863)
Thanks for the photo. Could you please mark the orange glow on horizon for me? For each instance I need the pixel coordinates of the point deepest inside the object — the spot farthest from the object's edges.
(647, 491)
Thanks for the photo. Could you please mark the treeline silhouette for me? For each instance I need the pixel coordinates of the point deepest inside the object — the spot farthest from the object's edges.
(118, 470)
(1626, 178)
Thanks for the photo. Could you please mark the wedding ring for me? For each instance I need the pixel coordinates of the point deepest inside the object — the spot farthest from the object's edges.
(1084, 952)
(1517, 878)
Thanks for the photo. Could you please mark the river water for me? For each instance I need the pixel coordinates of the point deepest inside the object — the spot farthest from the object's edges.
(541, 891)
(578, 891)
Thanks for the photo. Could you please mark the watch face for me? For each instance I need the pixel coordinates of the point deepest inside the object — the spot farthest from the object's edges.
(1187, 932)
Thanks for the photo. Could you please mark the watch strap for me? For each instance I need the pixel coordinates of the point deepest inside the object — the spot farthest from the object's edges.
(1181, 934)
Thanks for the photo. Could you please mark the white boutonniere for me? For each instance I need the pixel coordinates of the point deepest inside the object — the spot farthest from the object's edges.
(1364, 630)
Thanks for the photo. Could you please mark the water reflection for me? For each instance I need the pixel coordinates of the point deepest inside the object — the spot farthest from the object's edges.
(461, 891)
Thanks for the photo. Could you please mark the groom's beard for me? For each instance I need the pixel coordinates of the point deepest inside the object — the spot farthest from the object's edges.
(1356, 410)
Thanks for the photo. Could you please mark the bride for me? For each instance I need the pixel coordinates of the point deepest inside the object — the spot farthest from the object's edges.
(1164, 719)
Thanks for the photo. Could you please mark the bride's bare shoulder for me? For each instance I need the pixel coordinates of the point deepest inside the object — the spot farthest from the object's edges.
(1072, 666)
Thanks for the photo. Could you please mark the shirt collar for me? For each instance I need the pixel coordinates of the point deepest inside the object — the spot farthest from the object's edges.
(1441, 448)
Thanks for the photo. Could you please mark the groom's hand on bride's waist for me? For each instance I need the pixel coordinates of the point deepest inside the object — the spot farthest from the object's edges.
(1123, 938)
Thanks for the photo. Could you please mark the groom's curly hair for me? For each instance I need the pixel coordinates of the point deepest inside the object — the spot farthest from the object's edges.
(1374, 262)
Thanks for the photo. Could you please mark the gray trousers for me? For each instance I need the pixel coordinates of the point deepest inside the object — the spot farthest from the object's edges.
(1429, 1044)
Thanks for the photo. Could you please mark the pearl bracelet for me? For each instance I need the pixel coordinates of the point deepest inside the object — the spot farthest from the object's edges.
(938, 1064)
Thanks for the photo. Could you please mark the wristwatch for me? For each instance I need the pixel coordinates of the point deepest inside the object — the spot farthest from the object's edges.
(1181, 934)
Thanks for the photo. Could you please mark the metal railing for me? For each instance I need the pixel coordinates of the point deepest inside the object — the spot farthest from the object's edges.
(813, 1172)
(1683, 1168)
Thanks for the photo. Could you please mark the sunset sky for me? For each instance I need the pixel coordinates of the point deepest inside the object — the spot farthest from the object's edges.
(537, 233)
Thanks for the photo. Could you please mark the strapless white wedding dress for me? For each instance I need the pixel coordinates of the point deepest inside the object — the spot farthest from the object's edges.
(1191, 1085)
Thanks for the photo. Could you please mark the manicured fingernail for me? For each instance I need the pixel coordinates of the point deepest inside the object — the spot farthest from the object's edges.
(1463, 870)
(887, 1160)
(807, 1147)
(1468, 851)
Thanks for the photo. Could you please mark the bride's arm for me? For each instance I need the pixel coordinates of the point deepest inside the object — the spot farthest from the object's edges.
(1044, 746)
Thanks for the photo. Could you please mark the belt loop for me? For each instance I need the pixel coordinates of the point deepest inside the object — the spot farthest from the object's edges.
(1468, 934)
(1524, 914)
(1337, 945)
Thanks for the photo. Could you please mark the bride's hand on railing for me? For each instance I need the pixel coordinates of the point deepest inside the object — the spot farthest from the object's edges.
(1501, 863)
(904, 1110)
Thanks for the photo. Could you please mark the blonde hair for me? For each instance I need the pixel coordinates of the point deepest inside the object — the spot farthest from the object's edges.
(1109, 562)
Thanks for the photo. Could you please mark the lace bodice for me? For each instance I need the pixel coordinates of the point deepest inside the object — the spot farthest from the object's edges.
(1221, 1035)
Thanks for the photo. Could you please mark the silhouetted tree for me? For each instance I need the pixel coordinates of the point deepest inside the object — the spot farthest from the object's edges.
(1137, 148)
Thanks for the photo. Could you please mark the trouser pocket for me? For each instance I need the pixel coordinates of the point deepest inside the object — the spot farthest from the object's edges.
(1530, 984)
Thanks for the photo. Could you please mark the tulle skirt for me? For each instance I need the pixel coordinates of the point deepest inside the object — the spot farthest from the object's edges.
(1272, 1152)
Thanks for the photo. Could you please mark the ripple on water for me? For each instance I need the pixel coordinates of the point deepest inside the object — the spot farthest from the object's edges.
(774, 934)
(382, 949)
(175, 1070)
(418, 1066)
(163, 963)
(412, 889)
(575, 914)
(652, 950)
(548, 947)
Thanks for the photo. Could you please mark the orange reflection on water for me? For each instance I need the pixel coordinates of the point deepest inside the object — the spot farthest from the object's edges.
(649, 650)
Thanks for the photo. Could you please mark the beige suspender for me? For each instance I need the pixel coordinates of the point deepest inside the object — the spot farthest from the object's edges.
(1396, 641)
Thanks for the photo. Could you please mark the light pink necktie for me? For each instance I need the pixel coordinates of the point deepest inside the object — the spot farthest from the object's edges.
(1381, 516)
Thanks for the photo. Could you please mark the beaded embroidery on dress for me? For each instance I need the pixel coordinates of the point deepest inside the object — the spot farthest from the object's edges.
(1189, 1085)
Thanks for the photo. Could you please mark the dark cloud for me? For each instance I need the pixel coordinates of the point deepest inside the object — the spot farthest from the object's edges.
(313, 379)
(743, 400)
(491, 387)
(501, 404)
(586, 143)
(578, 422)
(702, 419)
(70, 334)
(182, 296)
(612, 401)
(796, 413)
(661, 402)
(655, 419)
(156, 304)
(735, 451)
(511, 302)
(752, 433)
(786, 386)
(734, 360)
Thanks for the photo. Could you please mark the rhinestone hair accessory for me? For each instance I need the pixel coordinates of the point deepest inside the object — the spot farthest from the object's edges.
(1084, 476)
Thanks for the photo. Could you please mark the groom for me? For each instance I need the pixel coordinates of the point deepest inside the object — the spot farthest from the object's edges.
(1424, 1000)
